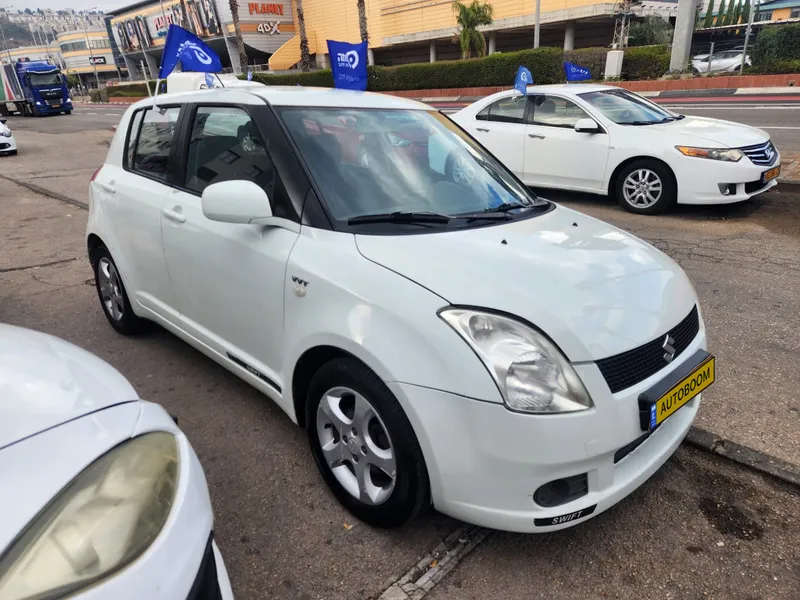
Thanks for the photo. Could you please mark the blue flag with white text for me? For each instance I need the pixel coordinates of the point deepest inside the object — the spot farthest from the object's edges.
(349, 65)
(523, 80)
(576, 73)
(185, 47)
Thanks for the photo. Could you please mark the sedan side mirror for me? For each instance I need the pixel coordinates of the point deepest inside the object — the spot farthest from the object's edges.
(237, 201)
(586, 126)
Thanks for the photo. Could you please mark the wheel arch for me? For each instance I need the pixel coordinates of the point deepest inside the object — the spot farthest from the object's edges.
(612, 181)
(93, 243)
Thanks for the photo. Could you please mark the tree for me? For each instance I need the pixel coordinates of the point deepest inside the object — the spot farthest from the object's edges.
(469, 18)
(652, 30)
(362, 21)
(737, 13)
(721, 14)
(729, 15)
(305, 54)
(709, 20)
(237, 30)
(746, 12)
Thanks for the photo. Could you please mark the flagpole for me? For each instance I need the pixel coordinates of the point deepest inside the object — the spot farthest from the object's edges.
(220, 80)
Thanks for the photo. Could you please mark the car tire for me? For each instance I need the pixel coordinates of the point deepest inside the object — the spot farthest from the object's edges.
(111, 292)
(354, 445)
(646, 187)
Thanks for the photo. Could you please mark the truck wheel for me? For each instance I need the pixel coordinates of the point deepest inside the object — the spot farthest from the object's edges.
(67, 112)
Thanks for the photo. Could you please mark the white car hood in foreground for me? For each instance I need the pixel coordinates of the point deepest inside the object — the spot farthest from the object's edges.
(45, 382)
(697, 130)
(594, 289)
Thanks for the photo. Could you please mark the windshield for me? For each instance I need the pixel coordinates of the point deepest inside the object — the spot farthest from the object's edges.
(383, 162)
(41, 79)
(625, 108)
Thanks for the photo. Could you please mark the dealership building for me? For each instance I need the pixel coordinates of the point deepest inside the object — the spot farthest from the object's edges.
(401, 31)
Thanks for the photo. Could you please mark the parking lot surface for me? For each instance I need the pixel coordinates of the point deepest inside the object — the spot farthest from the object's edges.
(701, 528)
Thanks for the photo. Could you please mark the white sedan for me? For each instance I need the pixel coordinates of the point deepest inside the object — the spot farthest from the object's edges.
(8, 145)
(104, 498)
(606, 140)
(726, 61)
(444, 335)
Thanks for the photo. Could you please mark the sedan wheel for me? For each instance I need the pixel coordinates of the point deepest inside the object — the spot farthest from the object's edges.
(364, 445)
(646, 187)
(642, 188)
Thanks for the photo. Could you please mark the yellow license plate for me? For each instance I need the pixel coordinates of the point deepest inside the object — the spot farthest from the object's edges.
(772, 173)
(682, 392)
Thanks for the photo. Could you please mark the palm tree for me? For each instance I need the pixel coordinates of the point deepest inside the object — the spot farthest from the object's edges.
(469, 18)
(362, 22)
(238, 32)
(709, 20)
(305, 53)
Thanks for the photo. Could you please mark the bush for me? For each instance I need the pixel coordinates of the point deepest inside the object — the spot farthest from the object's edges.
(777, 68)
(134, 90)
(776, 44)
(98, 95)
(645, 62)
(499, 69)
(593, 59)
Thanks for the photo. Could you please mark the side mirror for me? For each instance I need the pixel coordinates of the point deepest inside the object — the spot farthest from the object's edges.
(3, 121)
(586, 126)
(237, 201)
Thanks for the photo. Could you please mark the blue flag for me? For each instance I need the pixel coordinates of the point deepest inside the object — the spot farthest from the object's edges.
(209, 80)
(188, 49)
(576, 73)
(523, 80)
(349, 65)
(249, 76)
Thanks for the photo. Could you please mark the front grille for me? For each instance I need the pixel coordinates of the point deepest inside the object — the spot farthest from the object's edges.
(206, 586)
(50, 94)
(629, 368)
(753, 186)
(761, 154)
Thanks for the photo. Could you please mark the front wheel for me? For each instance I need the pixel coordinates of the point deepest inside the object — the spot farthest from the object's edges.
(646, 187)
(364, 445)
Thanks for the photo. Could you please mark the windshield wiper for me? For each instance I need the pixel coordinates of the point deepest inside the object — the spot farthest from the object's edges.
(679, 117)
(641, 122)
(400, 217)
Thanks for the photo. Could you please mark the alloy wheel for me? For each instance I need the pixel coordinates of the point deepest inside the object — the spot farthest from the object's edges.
(642, 188)
(356, 445)
(110, 289)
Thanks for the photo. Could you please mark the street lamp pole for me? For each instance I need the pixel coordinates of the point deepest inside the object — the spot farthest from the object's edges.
(91, 54)
(753, 8)
(3, 33)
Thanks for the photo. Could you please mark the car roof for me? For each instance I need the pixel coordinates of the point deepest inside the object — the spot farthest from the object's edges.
(290, 96)
(569, 88)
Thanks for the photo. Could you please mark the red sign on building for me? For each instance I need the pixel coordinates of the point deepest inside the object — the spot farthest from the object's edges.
(259, 8)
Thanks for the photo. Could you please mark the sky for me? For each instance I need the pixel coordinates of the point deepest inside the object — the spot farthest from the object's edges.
(104, 5)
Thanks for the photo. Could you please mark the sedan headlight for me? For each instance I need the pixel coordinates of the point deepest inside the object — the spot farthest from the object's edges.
(103, 520)
(726, 154)
(532, 374)
(5, 133)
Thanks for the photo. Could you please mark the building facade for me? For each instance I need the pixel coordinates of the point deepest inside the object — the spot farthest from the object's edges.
(88, 55)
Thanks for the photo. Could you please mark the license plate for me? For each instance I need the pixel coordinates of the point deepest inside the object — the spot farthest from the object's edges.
(674, 392)
(771, 174)
(56, 105)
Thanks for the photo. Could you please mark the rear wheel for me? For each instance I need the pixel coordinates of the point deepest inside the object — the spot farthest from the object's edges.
(646, 187)
(112, 294)
(364, 445)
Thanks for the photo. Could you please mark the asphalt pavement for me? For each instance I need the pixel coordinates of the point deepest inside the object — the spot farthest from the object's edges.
(701, 528)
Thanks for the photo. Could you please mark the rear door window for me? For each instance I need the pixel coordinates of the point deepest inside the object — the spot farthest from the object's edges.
(505, 110)
(153, 144)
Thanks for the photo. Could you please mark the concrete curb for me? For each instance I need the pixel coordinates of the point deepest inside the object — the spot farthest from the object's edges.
(743, 455)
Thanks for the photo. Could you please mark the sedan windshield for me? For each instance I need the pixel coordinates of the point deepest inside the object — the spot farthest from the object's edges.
(624, 108)
(402, 166)
(40, 79)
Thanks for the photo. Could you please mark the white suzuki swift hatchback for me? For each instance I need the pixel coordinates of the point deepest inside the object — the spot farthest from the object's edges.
(444, 336)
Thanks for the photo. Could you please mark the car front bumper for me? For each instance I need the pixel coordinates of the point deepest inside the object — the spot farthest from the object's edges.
(485, 462)
(699, 179)
(7, 144)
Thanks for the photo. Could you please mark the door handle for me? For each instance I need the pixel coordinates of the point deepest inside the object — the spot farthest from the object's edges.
(482, 129)
(174, 215)
(536, 136)
(107, 188)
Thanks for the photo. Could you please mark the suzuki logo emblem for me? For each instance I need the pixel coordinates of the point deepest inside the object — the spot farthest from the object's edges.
(669, 348)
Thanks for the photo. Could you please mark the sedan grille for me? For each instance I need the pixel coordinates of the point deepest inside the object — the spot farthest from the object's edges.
(629, 368)
(761, 154)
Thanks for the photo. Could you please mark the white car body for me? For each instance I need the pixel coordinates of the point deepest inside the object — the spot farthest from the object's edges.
(61, 409)
(724, 61)
(271, 296)
(8, 144)
(560, 157)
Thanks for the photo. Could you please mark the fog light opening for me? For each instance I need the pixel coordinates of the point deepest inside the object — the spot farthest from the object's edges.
(727, 189)
(561, 491)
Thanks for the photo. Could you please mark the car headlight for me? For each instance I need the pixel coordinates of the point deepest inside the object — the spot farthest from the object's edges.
(68, 100)
(532, 374)
(38, 103)
(726, 154)
(5, 133)
(103, 520)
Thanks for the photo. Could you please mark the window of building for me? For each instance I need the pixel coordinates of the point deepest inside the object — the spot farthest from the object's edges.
(795, 13)
(226, 145)
(73, 46)
(505, 110)
(153, 144)
(553, 111)
(764, 15)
